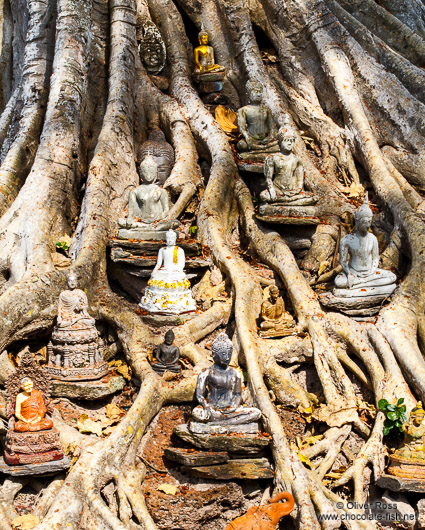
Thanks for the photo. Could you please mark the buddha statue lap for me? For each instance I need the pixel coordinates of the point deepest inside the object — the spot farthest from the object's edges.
(161, 151)
(74, 353)
(168, 289)
(284, 175)
(219, 393)
(275, 321)
(148, 207)
(31, 437)
(167, 355)
(255, 123)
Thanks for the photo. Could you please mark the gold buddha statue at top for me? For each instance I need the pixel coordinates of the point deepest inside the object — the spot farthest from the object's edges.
(204, 56)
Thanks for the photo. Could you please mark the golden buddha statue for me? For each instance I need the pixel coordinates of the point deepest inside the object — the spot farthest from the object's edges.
(413, 445)
(276, 321)
(204, 56)
(30, 409)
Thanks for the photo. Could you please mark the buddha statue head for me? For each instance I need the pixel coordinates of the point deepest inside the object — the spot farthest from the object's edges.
(169, 337)
(71, 280)
(255, 91)
(363, 216)
(274, 293)
(148, 170)
(27, 385)
(203, 38)
(418, 414)
(170, 238)
(152, 49)
(222, 349)
(286, 137)
(162, 152)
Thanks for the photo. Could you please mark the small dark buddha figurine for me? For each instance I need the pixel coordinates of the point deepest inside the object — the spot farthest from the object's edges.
(219, 393)
(167, 355)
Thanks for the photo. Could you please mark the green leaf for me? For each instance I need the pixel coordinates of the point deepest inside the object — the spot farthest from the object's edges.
(382, 404)
(386, 430)
(403, 418)
(403, 408)
(392, 416)
(391, 408)
(400, 429)
(400, 401)
(388, 423)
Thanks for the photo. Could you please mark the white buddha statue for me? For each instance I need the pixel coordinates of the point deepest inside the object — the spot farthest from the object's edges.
(359, 258)
(168, 289)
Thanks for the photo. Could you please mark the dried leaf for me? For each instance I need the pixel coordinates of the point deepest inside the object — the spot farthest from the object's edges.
(113, 412)
(87, 425)
(122, 368)
(322, 267)
(169, 489)
(25, 522)
(305, 460)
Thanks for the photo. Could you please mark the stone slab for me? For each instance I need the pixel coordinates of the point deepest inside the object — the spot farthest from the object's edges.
(401, 484)
(88, 390)
(210, 87)
(141, 233)
(150, 261)
(191, 457)
(359, 308)
(222, 428)
(288, 220)
(157, 319)
(246, 469)
(250, 166)
(232, 443)
(208, 77)
(44, 468)
(191, 247)
(294, 215)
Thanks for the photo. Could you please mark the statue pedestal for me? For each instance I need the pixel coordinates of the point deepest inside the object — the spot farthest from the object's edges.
(288, 214)
(276, 333)
(236, 454)
(358, 307)
(74, 373)
(251, 166)
(88, 390)
(209, 82)
(133, 261)
(223, 428)
(42, 468)
(407, 468)
(142, 234)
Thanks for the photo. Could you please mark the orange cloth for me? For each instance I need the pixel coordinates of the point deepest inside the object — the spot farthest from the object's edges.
(32, 408)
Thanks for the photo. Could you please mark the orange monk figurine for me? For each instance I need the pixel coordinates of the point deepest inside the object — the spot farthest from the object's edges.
(31, 438)
(30, 409)
(264, 517)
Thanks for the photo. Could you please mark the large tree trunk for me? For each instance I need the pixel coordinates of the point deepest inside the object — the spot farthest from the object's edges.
(75, 102)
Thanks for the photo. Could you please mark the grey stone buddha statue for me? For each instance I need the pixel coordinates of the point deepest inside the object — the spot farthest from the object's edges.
(161, 151)
(359, 258)
(284, 174)
(167, 355)
(256, 126)
(219, 393)
(148, 207)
